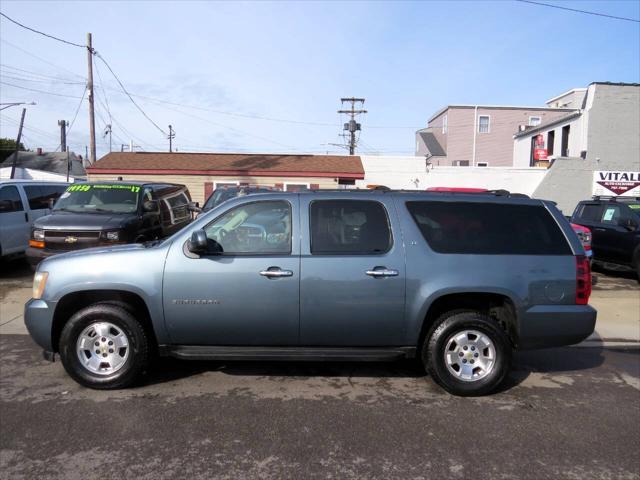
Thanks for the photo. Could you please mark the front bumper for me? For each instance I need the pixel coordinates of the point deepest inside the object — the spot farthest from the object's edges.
(36, 255)
(545, 326)
(38, 317)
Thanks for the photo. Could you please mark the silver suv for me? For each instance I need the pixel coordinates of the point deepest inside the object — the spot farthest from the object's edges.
(456, 280)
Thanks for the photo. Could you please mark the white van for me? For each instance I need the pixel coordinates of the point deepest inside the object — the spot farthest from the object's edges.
(21, 202)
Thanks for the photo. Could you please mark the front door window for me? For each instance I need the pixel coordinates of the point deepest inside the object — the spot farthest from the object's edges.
(257, 228)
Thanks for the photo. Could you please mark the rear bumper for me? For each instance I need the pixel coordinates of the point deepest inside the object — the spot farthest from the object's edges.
(38, 317)
(556, 325)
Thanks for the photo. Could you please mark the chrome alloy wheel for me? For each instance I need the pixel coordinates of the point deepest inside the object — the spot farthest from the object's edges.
(470, 355)
(102, 348)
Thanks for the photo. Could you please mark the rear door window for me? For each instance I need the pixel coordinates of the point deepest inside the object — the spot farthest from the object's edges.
(589, 212)
(612, 215)
(489, 228)
(10, 200)
(178, 204)
(349, 227)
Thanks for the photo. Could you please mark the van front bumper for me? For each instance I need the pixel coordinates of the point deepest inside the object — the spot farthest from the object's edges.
(545, 326)
(38, 317)
(36, 255)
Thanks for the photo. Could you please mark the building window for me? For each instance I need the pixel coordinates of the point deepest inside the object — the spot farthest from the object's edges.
(551, 138)
(226, 184)
(534, 121)
(482, 164)
(460, 163)
(296, 187)
(483, 124)
(445, 124)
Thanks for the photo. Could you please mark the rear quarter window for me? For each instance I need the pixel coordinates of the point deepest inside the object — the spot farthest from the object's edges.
(488, 228)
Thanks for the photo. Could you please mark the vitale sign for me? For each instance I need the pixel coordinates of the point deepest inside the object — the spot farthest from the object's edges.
(616, 183)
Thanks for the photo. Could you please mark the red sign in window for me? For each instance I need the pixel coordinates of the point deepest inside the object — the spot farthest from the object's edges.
(540, 154)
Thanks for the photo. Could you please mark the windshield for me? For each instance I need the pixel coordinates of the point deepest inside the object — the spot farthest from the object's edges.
(99, 198)
(635, 208)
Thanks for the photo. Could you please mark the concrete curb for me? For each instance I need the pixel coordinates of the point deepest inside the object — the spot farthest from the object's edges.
(604, 343)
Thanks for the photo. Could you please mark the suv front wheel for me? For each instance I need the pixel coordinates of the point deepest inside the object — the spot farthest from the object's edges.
(467, 353)
(104, 347)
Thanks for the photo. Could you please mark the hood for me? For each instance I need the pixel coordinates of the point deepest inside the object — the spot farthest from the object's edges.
(100, 253)
(83, 221)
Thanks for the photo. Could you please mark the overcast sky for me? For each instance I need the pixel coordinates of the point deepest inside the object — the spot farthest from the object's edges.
(267, 77)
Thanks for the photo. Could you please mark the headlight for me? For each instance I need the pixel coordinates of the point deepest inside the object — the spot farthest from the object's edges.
(112, 236)
(39, 282)
(38, 235)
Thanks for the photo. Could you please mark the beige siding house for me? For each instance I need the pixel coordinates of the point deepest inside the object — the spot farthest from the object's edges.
(481, 135)
(203, 172)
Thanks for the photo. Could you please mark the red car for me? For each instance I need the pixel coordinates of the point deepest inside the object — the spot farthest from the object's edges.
(584, 234)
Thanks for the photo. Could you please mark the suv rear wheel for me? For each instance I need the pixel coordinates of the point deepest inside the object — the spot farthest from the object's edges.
(104, 347)
(467, 353)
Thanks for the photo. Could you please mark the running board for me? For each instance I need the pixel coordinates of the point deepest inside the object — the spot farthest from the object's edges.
(312, 354)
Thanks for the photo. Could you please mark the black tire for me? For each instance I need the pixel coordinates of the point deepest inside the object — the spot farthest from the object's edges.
(137, 358)
(435, 344)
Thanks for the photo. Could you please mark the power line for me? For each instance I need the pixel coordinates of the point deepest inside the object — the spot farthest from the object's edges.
(35, 74)
(542, 4)
(26, 79)
(36, 90)
(129, 95)
(42, 33)
(40, 58)
(75, 115)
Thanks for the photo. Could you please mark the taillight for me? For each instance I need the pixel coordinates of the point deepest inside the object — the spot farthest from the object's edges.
(583, 280)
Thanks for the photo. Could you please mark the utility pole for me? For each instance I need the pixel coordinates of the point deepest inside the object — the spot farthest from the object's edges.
(63, 134)
(107, 131)
(15, 156)
(172, 135)
(68, 164)
(352, 126)
(92, 120)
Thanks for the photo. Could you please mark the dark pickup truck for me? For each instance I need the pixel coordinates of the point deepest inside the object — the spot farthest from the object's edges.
(109, 213)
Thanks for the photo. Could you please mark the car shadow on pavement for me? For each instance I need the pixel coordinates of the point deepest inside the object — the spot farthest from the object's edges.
(617, 277)
(552, 361)
(555, 361)
(15, 269)
(169, 369)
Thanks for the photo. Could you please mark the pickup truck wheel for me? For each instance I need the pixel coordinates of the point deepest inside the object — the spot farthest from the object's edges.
(104, 347)
(467, 353)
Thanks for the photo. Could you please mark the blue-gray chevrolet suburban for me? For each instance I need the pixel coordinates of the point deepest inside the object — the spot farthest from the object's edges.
(456, 280)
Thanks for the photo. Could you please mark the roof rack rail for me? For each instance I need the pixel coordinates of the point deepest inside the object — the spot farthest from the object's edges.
(615, 198)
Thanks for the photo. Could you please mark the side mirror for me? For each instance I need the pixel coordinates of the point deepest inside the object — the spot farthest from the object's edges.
(51, 203)
(150, 206)
(194, 207)
(198, 242)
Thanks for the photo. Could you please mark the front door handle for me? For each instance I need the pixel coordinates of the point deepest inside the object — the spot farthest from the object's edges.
(382, 272)
(276, 272)
(600, 229)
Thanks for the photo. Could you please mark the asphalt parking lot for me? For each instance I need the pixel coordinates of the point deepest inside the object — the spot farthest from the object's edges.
(563, 413)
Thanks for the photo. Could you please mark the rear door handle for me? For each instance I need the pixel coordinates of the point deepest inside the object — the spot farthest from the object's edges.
(382, 272)
(276, 272)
